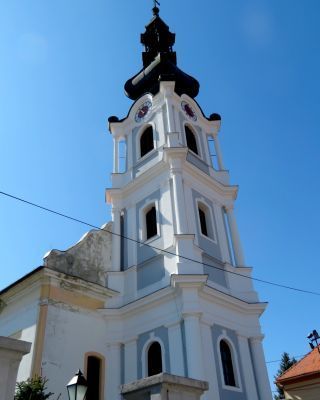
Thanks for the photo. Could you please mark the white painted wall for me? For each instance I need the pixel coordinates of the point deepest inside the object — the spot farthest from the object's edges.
(70, 333)
(11, 352)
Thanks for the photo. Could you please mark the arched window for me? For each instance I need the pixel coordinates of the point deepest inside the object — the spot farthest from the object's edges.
(227, 364)
(151, 222)
(203, 221)
(146, 141)
(206, 221)
(154, 359)
(94, 377)
(191, 140)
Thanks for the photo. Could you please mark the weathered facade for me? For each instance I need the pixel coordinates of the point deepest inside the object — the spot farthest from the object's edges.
(164, 288)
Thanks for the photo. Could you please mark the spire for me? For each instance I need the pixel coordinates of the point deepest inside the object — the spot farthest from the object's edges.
(157, 39)
(159, 62)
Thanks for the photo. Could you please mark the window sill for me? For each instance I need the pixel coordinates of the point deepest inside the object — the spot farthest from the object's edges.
(232, 388)
(145, 157)
(208, 238)
(152, 239)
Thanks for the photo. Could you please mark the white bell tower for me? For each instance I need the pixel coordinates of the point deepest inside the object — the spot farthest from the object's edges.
(186, 303)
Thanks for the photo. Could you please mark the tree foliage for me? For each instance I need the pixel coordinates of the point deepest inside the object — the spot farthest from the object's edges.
(285, 363)
(32, 389)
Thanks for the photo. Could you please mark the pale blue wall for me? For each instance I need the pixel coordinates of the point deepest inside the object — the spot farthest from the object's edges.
(150, 272)
(160, 332)
(226, 394)
(211, 248)
(199, 163)
(217, 274)
(145, 252)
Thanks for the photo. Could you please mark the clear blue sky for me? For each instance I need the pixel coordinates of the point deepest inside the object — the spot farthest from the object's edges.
(63, 66)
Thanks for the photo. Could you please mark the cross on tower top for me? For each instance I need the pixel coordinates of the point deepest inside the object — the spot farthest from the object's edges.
(155, 7)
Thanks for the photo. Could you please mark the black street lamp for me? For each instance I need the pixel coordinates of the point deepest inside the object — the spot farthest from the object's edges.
(77, 387)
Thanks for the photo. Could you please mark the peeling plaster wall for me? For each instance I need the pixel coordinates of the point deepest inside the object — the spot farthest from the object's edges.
(89, 259)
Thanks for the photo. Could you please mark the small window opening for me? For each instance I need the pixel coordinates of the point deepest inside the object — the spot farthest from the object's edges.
(191, 140)
(154, 359)
(151, 223)
(228, 236)
(146, 141)
(203, 222)
(227, 365)
(212, 153)
(93, 378)
(122, 156)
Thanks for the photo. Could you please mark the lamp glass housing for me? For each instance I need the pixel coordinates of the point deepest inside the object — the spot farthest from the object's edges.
(77, 387)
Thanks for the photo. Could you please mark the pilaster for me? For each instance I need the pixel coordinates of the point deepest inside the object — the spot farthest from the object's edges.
(113, 371)
(261, 373)
(193, 345)
(130, 361)
(176, 349)
(247, 368)
(210, 363)
(235, 237)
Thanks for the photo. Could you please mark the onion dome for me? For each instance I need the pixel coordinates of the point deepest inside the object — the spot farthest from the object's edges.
(159, 63)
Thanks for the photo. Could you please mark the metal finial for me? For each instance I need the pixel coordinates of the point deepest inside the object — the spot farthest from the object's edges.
(155, 8)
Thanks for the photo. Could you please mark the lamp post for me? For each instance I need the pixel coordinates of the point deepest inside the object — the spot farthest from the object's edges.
(313, 338)
(77, 387)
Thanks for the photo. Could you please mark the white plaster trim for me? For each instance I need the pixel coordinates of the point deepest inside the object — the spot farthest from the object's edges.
(193, 175)
(144, 354)
(235, 363)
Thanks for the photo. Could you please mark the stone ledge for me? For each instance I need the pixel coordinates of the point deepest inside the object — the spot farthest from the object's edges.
(15, 345)
(164, 379)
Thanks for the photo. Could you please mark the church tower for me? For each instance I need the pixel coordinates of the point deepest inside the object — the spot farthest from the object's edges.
(186, 303)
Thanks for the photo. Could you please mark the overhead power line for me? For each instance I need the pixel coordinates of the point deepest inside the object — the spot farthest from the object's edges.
(296, 289)
(274, 361)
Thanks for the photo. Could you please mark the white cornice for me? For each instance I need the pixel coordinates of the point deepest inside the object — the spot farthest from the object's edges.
(229, 191)
(235, 303)
(138, 183)
(138, 306)
(169, 293)
(162, 166)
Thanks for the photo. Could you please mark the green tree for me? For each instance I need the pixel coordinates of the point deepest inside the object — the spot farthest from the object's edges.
(32, 389)
(285, 363)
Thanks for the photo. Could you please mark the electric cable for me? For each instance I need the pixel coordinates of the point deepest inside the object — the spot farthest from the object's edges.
(296, 357)
(296, 289)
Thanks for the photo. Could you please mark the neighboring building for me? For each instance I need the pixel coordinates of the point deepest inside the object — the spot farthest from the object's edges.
(302, 380)
(164, 287)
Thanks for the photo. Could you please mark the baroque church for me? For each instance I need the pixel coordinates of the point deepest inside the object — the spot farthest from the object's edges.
(160, 296)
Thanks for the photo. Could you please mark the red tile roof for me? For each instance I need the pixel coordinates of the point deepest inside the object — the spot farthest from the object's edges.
(308, 365)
